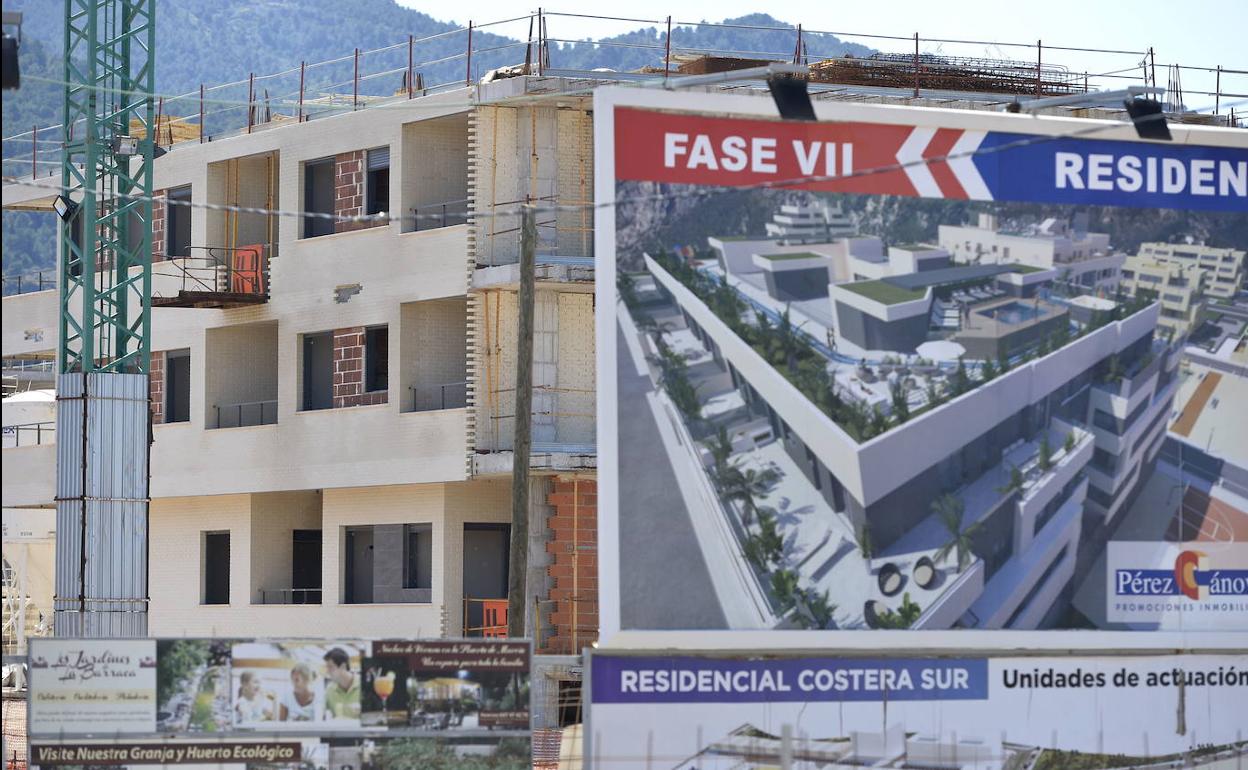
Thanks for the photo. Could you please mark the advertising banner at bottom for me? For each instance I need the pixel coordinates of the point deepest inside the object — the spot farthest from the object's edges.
(282, 753)
(987, 713)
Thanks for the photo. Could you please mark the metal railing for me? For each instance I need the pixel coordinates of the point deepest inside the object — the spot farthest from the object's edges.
(246, 413)
(30, 434)
(432, 216)
(40, 280)
(290, 595)
(457, 58)
(219, 269)
(430, 398)
(28, 364)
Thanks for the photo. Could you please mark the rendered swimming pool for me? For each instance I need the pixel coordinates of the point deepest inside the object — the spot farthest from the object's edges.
(1013, 312)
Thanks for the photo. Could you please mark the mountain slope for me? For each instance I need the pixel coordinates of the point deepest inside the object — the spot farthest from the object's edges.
(225, 40)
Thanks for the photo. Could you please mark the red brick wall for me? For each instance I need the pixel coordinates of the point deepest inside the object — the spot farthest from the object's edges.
(159, 210)
(349, 174)
(349, 370)
(156, 387)
(573, 546)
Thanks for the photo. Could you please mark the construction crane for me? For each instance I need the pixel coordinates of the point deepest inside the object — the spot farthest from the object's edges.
(103, 419)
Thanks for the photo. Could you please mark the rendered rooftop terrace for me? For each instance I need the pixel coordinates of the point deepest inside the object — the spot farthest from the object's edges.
(974, 330)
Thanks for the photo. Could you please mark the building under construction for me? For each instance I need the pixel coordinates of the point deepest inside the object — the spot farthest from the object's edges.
(334, 345)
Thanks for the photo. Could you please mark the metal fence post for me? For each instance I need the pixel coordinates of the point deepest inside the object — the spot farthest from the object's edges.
(468, 69)
(202, 132)
(302, 69)
(411, 41)
(355, 82)
(251, 100)
(916, 65)
(1039, 50)
(667, 54)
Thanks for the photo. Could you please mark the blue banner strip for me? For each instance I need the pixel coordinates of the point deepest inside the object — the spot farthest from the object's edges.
(627, 679)
(1105, 172)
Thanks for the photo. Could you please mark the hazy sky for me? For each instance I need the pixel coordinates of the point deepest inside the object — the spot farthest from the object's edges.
(1191, 32)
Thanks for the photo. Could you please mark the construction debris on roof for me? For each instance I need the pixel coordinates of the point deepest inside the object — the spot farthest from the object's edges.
(950, 73)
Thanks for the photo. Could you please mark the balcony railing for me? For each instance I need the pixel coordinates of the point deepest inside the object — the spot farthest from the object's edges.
(245, 413)
(432, 216)
(29, 434)
(215, 276)
(290, 596)
(40, 280)
(449, 395)
(485, 617)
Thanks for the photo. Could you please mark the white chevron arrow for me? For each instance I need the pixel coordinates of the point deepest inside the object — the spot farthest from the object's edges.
(910, 155)
(963, 166)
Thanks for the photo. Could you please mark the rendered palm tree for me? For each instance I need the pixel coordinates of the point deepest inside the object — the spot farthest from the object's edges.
(720, 447)
(789, 340)
(820, 608)
(950, 509)
(747, 485)
(784, 587)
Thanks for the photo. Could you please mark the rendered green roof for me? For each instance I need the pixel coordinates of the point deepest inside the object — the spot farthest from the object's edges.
(883, 292)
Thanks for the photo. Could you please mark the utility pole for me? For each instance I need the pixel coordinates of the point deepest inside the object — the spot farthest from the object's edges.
(517, 574)
(103, 417)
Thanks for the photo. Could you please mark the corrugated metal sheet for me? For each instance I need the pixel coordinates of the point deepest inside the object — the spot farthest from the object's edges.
(101, 509)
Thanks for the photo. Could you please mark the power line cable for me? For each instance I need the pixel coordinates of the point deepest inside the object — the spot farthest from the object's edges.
(698, 192)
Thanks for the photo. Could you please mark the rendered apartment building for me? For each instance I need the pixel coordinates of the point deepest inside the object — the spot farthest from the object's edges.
(1041, 457)
(333, 400)
(1180, 288)
(1079, 256)
(1223, 267)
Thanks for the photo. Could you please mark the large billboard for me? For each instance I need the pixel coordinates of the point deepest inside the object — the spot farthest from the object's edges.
(280, 702)
(906, 368)
(709, 712)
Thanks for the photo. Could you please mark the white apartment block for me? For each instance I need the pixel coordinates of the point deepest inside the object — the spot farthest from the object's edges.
(1086, 259)
(1223, 267)
(1179, 287)
(333, 401)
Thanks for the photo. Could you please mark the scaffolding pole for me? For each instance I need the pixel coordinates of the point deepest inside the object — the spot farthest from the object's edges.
(103, 416)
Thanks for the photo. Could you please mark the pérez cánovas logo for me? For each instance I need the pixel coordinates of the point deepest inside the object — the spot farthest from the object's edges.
(1191, 577)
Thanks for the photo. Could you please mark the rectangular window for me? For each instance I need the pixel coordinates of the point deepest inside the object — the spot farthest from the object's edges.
(318, 197)
(216, 567)
(377, 184)
(178, 223)
(318, 370)
(305, 566)
(178, 386)
(418, 556)
(358, 565)
(376, 358)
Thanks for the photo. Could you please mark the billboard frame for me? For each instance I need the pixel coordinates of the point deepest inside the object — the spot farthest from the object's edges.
(709, 104)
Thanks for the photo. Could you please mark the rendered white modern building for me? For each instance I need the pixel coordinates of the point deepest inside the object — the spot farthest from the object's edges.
(1036, 457)
(817, 222)
(1223, 267)
(1084, 258)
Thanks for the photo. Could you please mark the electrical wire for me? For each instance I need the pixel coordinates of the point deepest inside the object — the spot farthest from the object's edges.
(546, 208)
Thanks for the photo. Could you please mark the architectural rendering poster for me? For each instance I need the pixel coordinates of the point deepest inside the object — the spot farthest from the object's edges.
(98, 686)
(1041, 713)
(845, 388)
(447, 697)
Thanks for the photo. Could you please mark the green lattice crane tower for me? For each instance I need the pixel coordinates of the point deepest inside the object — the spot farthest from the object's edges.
(103, 418)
